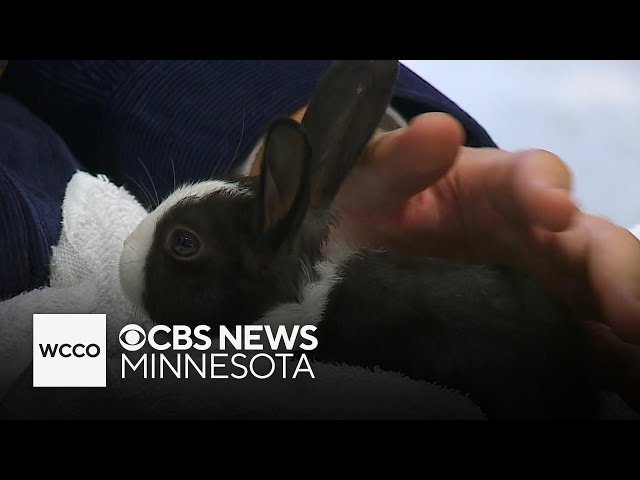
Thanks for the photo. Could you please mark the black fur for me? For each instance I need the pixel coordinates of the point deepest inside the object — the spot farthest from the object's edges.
(284, 183)
(214, 287)
(488, 331)
(343, 114)
(245, 242)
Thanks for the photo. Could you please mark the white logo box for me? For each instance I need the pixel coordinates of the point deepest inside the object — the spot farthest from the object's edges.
(73, 365)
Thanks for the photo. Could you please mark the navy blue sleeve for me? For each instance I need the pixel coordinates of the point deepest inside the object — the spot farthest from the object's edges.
(126, 117)
(35, 166)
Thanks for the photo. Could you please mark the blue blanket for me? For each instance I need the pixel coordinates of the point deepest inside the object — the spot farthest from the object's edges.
(138, 122)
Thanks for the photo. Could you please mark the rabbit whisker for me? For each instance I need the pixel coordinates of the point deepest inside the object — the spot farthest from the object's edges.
(147, 195)
(173, 168)
(230, 166)
(152, 183)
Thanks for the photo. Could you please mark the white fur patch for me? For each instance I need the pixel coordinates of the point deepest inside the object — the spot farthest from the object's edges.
(137, 245)
(309, 310)
(314, 294)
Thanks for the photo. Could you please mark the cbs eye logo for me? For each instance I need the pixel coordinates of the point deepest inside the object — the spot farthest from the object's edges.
(132, 337)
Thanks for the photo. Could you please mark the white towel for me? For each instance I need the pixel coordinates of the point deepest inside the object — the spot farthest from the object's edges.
(97, 217)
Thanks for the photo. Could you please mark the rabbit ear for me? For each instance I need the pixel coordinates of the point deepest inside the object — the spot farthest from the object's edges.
(342, 116)
(284, 181)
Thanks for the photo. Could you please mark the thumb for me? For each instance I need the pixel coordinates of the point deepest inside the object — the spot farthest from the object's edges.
(397, 165)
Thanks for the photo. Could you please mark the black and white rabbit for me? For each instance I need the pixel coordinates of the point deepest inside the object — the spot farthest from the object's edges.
(254, 250)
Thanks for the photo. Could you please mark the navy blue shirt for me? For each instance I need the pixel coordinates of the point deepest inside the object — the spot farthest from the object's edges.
(124, 117)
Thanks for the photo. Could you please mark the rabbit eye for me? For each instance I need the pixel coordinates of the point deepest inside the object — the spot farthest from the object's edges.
(184, 243)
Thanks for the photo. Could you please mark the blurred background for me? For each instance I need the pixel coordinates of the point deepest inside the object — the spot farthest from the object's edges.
(587, 112)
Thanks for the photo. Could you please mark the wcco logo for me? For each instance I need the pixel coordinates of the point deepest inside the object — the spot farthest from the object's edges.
(78, 350)
(69, 350)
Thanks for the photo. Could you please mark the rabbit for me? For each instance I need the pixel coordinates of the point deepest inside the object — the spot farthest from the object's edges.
(244, 250)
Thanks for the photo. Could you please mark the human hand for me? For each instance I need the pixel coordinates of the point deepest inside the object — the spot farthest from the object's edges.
(417, 190)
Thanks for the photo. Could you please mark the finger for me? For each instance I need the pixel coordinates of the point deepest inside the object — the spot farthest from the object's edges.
(618, 362)
(614, 271)
(531, 187)
(402, 163)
